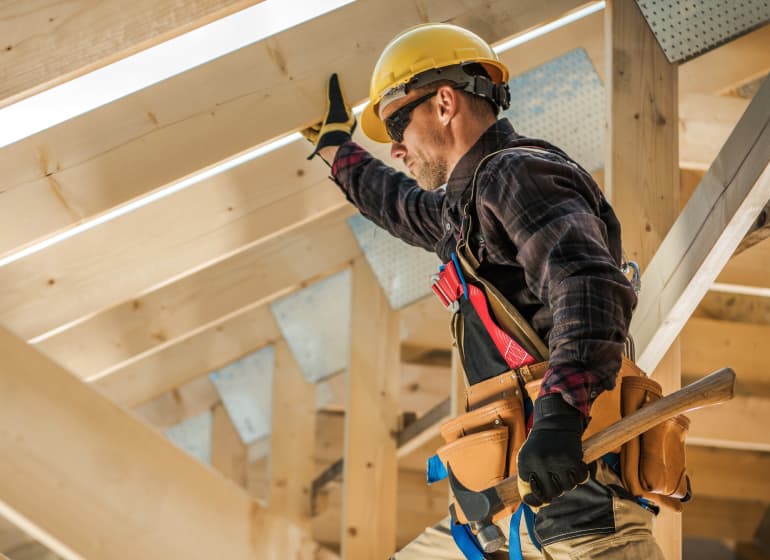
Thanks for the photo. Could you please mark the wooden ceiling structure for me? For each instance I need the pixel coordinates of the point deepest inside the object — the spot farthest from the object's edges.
(107, 337)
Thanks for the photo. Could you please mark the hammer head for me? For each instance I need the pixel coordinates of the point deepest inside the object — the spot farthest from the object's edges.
(478, 508)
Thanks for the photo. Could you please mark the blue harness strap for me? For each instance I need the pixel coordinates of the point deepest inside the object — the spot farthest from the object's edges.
(514, 538)
(436, 470)
(466, 541)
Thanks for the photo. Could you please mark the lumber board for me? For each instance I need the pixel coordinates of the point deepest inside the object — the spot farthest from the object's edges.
(705, 123)
(87, 274)
(708, 344)
(718, 215)
(723, 518)
(66, 444)
(739, 424)
(642, 170)
(81, 168)
(292, 437)
(179, 404)
(729, 473)
(371, 422)
(45, 44)
(228, 453)
(748, 268)
(154, 320)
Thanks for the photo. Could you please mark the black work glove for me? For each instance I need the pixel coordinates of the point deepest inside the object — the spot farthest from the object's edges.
(551, 460)
(338, 122)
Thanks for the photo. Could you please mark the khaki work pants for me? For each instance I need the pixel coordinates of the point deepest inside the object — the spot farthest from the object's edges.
(632, 539)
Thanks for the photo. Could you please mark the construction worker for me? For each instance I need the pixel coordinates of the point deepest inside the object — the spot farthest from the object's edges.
(546, 239)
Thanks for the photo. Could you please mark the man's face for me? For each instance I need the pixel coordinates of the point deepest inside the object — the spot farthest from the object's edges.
(423, 146)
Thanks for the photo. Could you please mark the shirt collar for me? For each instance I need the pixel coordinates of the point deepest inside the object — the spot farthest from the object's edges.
(496, 137)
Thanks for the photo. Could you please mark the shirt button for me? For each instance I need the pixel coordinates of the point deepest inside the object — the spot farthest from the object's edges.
(448, 226)
(593, 394)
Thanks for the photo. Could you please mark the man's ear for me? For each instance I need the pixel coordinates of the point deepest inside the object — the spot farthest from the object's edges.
(446, 104)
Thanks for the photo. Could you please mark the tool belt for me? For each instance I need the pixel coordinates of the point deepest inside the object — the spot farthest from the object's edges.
(482, 444)
(504, 362)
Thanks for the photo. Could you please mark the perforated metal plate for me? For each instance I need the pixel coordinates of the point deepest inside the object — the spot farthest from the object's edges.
(562, 101)
(194, 436)
(246, 390)
(316, 325)
(403, 271)
(687, 28)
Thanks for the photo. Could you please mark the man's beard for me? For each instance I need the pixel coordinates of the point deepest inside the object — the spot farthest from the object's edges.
(431, 174)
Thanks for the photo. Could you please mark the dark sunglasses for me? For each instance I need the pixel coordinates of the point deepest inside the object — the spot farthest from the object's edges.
(396, 123)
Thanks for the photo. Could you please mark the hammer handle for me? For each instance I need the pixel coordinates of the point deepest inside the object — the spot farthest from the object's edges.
(715, 388)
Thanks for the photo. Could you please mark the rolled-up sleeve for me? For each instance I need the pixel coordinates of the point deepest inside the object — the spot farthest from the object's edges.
(389, 198)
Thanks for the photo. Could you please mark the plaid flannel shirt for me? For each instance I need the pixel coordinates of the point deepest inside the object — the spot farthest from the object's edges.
(547, 239)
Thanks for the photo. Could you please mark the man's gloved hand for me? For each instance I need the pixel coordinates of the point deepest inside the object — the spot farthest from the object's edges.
(551, 460)
(338, 122)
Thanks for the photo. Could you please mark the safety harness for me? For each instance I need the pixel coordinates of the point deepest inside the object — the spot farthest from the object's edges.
(493, 338)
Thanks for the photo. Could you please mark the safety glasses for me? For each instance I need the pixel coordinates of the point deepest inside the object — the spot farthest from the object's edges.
(396, 123)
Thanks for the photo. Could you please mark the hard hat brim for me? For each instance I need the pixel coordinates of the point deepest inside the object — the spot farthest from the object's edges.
(373, 126)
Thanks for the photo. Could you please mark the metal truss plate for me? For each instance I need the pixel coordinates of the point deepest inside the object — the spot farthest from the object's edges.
(315, 323)
(194, 436)
(688, 28)
(562, 101)
(403, 271)
(246, 390)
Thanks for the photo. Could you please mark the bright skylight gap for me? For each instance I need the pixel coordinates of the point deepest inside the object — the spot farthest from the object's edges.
(104, 85)
(548, 27)
(264, 149)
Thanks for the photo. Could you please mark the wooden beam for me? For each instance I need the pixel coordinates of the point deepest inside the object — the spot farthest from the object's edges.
(748, 269)
(48, 44)
(729, 474)
(292, 449)
(709, 343)
(737, 424)
(65, 444)
(112, 274)
(154, 320)
(722, 518)
(642, 169)
(705, 123)
(155, 373)
(276, 84)
(732, 193)
(371, 422)
(183, 402)
(228, 453)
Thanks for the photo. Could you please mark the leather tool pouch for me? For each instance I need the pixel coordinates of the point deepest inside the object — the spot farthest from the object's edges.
(482, 443)
(653, 464)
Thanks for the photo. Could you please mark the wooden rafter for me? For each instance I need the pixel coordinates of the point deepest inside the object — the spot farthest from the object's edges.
(75, 465)
(723, 208)
(47, 44)
(217, 110)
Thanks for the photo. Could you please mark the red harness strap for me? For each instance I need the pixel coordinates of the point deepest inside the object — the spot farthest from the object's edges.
(450, 286)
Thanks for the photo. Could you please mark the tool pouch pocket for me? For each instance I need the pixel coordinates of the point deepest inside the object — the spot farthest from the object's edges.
(653, 464)
(477, 460)
(481, 445)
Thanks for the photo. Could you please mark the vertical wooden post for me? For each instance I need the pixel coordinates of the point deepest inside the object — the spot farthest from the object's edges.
(642, 167)
(228, 453)
(292, 454)
(371, 422)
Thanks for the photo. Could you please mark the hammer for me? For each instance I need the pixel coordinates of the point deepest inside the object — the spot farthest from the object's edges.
(479, 507)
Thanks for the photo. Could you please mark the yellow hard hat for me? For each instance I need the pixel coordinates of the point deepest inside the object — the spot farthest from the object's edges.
(417, 56)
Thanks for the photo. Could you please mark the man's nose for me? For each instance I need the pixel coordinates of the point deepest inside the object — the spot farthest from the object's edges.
(397, 150)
